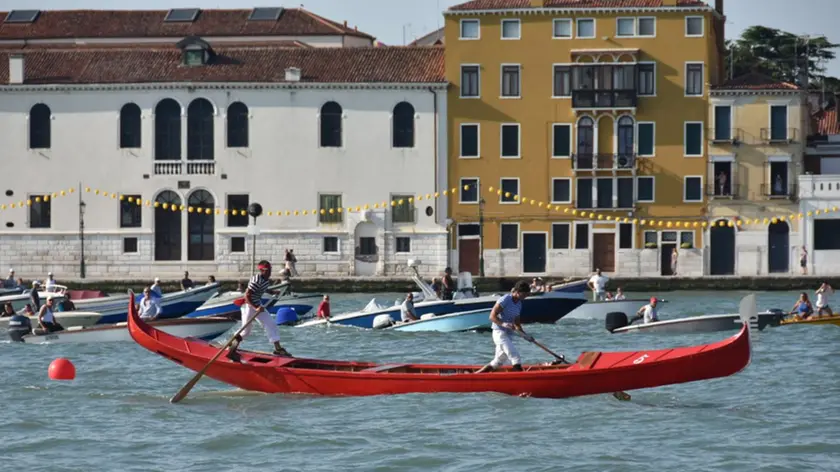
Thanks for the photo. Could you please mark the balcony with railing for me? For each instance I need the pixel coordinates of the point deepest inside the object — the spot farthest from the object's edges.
(605, 98)
(726, 191)
(190, 167)
(820, 186)
(779, 191)
(593, 162)
(725, 135)
(776, 135)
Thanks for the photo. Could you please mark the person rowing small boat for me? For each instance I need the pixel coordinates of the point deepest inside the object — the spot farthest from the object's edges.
(803, 308)
(647, 313)
(252, 307)
(505, 321)
(823, 293)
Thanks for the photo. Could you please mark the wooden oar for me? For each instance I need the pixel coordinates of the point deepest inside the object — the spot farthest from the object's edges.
(186, 388)
(623, 396)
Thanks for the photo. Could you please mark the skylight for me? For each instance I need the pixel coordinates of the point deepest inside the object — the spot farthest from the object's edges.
(22, 16)
(181, 15)
(266, 14)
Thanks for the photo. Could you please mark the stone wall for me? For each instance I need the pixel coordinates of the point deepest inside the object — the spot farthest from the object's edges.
(34, 255)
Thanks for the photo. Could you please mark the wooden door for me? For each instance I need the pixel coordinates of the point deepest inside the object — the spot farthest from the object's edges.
(534, 248)
(603, 252)
(468, 251)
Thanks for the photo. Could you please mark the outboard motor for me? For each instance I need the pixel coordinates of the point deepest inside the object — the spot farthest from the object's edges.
(616, 320)
(775, 318)
(382, 321)
(286, 316)
(19, 326)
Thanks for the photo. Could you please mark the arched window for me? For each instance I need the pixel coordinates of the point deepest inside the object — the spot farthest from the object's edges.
(40, 127)
(130, 126)
(167, 227)
(586, 136)
(237, 125)
(200, 130)
(626, 136)
(403, 125)
(331, 125)
(200, 231)
(168, 130)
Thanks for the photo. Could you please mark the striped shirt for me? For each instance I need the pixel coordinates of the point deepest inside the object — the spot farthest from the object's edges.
(510, 311)
(256, 288)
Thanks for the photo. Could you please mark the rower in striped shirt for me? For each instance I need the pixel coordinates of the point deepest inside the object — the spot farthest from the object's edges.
(253, 307)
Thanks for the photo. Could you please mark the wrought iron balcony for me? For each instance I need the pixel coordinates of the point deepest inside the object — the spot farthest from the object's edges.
(779, 135)
(727, 191)
(616, 162)
(779, 192)
(621, 99)
(725, 135)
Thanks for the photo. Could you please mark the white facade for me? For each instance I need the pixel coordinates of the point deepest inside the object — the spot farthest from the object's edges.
(820, 195)
(283, 168)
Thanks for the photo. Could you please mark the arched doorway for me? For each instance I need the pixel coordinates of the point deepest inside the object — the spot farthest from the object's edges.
(722, 241)
(200, 227)
(778, 242)
(366, 252)
(167, 227)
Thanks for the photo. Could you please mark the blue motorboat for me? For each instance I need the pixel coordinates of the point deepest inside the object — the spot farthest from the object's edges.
(474, 320)
(224, 303)
(114, 309)
(578, 286)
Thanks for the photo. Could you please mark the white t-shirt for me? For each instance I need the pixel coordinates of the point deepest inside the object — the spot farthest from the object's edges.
(822, 299)
(599, 282)
(649, 314)
(50, 283)
(620, 296)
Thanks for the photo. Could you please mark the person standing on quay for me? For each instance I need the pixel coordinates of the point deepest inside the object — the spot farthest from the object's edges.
(252, 307)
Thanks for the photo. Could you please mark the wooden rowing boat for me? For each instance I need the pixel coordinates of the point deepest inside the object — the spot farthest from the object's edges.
(592, 373)
(812, 320)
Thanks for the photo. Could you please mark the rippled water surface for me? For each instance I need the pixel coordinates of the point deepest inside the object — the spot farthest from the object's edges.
(779, 414)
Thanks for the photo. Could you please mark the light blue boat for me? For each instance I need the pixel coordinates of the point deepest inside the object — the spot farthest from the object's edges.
(474, 320)
(224, 303)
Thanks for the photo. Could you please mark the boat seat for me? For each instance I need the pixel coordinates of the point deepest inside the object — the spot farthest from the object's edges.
(383, 368)
(587, 359)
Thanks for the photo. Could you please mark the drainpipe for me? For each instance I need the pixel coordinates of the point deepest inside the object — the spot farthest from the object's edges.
(437, 184)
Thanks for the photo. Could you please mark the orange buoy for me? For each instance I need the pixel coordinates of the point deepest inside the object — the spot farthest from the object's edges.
(62, 369)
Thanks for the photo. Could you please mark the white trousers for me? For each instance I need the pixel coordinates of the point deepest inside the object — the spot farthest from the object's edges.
(505, 350)
(598, 296)
(268, 324)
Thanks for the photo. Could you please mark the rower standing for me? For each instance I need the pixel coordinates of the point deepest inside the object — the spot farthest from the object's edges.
(34, 297)
(823, 293)
(598, 283)
(648, 313)
(46, 318)
(448, 284)
(505, 320)
(253, 308)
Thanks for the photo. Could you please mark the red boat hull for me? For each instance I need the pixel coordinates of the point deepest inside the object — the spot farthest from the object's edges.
(593, 373)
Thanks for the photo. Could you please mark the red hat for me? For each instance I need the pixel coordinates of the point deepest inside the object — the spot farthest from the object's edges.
(653, 299)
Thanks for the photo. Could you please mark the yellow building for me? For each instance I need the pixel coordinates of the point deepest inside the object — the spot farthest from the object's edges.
(598, 107)
(758, 129)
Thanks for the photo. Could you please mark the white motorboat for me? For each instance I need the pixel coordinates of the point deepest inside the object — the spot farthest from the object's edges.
(618, 323)
(599, 310)
(19, 301)
(207, 328)
(67, 319)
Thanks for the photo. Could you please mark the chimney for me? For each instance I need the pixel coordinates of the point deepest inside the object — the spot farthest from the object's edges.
(292, 74)
(345, 23)
(537, 3)
(15, 69)
(719, 6)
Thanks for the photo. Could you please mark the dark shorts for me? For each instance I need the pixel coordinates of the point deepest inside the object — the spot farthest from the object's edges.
(53, 327)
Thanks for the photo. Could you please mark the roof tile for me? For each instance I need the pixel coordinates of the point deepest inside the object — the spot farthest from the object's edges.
(825, 122)
(58, 24)
(512, 4)
(235, 64)
(755, 81)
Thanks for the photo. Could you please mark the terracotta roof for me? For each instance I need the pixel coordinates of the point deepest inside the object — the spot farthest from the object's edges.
(244, 43)
(512, 4)
(56, 24)
(755, 81)
(434, 38)
(243, 64)
(825, 122)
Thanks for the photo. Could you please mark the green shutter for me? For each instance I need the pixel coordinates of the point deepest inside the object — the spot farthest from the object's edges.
(646, 139)
(693, 139)
(562, 140)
